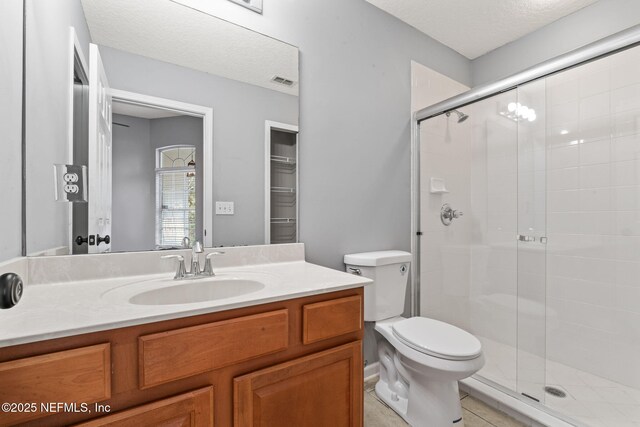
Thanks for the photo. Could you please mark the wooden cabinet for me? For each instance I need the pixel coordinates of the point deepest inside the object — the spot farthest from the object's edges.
(81, 375)
(194, 409)
(323, 389)
(296, 362)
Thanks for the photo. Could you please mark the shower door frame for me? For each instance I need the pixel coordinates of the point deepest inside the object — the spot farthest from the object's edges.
(607, 46)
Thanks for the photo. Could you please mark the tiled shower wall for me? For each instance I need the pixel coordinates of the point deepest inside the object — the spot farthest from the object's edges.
(593, 217)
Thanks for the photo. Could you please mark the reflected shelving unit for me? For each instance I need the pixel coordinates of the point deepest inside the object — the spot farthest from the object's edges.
(281, 179)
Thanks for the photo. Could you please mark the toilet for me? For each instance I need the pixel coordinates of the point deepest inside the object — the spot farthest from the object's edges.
(421, 359)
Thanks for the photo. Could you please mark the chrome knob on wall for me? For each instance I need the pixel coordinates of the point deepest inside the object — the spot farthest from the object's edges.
(448, 214)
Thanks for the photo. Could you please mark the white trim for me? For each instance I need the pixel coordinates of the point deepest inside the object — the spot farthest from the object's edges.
(73, 46)
(206, 113)
(268, 126)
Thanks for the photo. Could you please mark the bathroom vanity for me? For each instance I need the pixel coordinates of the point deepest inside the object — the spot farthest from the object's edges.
(285, 354)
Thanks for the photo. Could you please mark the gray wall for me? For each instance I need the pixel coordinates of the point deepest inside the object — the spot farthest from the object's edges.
(133, 225)
(10, 128)
(239, 113)
(134, 185)
(355, 132)
(47, 112)
(585, 26)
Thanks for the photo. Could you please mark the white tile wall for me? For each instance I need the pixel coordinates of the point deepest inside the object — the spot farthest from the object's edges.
(593, 260)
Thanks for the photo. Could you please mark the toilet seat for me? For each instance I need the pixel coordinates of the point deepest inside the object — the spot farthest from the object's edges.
(437, 339)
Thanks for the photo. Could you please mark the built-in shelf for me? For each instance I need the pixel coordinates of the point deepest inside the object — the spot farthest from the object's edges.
(284, 160)
(283, 190)
(283, 220)
(281, 179)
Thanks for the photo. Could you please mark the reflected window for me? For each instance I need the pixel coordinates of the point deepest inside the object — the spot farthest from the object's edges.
(175, 195)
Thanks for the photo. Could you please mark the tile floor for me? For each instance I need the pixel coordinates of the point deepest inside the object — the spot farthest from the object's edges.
(591, 400)
(474, 413)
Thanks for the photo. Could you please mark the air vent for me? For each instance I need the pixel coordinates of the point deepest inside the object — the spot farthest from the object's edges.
(282, 81)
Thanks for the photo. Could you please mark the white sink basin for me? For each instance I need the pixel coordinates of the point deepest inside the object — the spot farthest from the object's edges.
(167, 291)
(189, 292)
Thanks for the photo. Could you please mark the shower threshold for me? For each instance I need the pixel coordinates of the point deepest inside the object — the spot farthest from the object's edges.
(518, 407)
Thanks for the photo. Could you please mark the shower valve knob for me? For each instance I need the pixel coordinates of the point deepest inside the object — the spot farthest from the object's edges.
(448, 214)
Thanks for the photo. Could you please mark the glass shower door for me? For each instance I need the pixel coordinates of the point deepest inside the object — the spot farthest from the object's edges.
(531, 240)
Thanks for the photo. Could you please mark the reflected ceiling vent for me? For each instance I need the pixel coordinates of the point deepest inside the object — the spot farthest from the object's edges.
(282, 81)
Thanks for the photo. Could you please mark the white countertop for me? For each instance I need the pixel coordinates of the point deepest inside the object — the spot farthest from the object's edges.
(79, 307)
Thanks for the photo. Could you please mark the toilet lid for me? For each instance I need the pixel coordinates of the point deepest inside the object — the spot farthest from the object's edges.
(437, 338)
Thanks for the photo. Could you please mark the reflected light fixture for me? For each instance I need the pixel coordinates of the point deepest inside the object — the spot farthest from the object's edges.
(518, 112)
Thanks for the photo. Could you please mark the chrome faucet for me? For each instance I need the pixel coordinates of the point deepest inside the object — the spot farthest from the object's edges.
(186, 242)
(196, 250)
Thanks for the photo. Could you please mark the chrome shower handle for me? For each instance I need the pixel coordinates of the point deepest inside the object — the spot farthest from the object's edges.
(448, 214)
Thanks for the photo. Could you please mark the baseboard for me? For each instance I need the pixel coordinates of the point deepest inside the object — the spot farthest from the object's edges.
(371, 370)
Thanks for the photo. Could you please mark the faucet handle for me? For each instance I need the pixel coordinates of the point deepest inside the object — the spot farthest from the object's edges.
(210, 254)
(208, 268)
(181, 271)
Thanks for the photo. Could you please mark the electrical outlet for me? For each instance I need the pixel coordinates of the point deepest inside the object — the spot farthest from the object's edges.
(70, 183)
(224, 208)
(70, 177)
(71, 189)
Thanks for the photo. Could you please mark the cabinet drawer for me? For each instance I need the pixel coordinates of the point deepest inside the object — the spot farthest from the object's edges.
(81, 375)
(332, 318)
(193, 409)
(182, 353)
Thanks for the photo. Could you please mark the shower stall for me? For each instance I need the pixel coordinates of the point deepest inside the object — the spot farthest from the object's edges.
(542, 260)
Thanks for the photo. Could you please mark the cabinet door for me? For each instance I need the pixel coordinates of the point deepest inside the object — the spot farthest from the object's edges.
(193, 409)
(323, 389)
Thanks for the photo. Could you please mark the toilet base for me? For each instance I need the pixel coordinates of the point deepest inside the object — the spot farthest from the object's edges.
(430, 405)
(392, 399)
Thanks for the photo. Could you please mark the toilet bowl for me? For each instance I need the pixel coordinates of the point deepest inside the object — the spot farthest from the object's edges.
(421, 359)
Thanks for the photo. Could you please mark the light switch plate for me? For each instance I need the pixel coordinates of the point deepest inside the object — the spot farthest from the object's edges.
(224, 208)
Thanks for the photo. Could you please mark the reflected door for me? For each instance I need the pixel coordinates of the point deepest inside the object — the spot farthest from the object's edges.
(100, 136)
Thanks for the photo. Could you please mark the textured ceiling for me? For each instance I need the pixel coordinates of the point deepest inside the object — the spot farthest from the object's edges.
(170, 32)
(142, 111)
(475, 27)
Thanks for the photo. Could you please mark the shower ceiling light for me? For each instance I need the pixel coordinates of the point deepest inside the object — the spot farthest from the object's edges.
(518, 112)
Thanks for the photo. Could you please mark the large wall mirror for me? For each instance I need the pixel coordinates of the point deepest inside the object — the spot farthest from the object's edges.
(150, 125)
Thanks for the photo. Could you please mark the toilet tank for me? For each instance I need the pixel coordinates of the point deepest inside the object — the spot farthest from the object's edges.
(389, 270)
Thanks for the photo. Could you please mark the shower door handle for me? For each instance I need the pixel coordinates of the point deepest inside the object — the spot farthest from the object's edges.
(523, 238)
